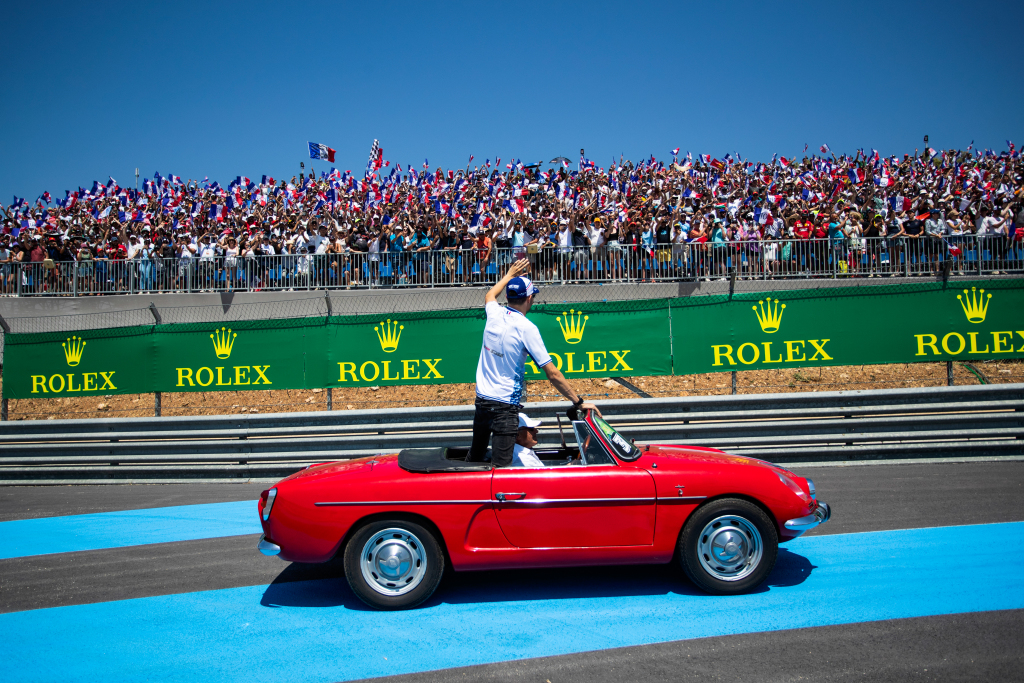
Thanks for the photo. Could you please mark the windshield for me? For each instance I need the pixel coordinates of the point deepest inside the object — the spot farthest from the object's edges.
(622, 447)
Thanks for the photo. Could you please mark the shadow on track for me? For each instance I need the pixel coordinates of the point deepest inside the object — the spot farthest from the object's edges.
(325, 586)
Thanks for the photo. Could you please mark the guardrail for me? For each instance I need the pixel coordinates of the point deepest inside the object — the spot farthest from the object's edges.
(981, 421)
(784, 258)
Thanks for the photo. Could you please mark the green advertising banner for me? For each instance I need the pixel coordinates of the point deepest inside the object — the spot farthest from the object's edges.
(793, 328)
(436, 347)
(257, 354)
(584, 340)
(93, 362)
(849, 326)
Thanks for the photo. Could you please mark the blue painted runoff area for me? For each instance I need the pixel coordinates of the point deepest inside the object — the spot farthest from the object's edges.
(46, 535)
(314, 631)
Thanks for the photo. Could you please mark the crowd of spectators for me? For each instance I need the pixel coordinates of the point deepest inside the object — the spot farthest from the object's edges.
(820, 215)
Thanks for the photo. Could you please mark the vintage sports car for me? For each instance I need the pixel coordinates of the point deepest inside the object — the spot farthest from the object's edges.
(400, 520)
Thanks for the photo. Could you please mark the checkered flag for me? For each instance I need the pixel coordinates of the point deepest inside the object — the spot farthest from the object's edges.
(376, 157)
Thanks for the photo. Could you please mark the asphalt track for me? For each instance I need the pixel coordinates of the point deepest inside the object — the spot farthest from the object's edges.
(916, 576)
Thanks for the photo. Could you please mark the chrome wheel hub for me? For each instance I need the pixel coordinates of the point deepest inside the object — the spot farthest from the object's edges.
(729, 548)
(393, 561)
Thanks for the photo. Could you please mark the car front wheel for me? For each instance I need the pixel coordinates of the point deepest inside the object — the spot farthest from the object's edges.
(393, 564)
(728, 546)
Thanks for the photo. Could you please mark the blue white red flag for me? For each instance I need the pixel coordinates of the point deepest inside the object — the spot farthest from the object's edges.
(763, 216)
(824, 149)
(515, 205)
(675, 152)
(318, 151)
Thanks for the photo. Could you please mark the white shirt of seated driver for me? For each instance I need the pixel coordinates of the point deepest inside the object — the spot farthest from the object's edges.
(525, 457)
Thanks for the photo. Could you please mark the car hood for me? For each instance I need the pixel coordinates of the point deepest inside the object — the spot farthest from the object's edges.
(699, 454)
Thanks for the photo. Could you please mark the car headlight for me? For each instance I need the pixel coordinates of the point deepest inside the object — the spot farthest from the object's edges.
(268, 502)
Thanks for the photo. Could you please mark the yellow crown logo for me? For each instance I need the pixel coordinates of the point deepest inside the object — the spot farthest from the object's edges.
(389, 334)
(975, 304)
(223, 340)
(572, 328)
(770, 319)
(73, 349)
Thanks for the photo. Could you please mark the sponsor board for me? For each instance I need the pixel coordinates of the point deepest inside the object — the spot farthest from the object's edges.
(702, 334)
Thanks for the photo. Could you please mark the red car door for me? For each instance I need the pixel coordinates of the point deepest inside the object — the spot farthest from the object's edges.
(575, 507)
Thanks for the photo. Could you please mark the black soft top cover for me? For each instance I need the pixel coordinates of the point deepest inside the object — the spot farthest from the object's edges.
(436, 460)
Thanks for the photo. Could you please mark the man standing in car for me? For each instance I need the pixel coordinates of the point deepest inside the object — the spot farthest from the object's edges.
(509, 339)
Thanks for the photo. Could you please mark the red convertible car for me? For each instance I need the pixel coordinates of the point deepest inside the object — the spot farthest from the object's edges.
(399, 520)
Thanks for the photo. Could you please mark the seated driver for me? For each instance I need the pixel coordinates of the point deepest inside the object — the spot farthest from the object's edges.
(526, 439)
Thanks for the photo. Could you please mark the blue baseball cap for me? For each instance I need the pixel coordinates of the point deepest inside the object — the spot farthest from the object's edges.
(520, 288)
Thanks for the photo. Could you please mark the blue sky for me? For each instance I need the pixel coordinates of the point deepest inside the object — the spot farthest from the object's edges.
(221, 89)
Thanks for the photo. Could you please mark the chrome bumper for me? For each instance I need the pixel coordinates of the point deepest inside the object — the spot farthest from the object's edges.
(821, 515)
(266, 547)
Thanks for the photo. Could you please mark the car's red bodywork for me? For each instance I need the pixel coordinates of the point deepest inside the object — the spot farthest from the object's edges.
(625, 513)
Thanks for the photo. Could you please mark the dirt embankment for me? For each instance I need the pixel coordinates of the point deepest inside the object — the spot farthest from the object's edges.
(747, 382)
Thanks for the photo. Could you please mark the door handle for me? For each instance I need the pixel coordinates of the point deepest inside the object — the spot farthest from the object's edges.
(506, 497)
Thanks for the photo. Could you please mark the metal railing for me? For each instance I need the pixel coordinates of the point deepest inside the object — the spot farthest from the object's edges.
(764, 259)
(961, 422)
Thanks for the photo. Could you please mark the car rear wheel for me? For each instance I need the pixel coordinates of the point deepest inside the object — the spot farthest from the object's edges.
(393, 564)
(728, 546)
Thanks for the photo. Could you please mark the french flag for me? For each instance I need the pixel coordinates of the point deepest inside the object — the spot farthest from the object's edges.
(825, 150)
(900, 203)
(217, 212)
(515, 205)
(318, 151)
(763, 216)
(675, 152)
(856, 175)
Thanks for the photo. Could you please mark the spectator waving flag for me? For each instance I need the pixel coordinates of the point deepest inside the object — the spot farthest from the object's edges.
(318, 151)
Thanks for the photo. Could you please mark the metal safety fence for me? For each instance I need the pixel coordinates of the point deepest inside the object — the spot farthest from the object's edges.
(770, 259)
(955, 422)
